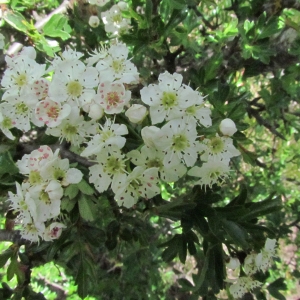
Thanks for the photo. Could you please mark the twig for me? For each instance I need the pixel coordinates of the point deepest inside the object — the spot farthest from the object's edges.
(12, 236)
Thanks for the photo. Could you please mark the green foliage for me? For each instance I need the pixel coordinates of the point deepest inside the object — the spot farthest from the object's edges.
(244, 58)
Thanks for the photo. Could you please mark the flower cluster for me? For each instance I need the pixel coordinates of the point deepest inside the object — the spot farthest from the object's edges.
(253, 263)
(80, 101)
(38, 198)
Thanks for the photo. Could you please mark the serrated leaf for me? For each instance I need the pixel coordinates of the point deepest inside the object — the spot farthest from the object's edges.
(85, 188)
(71, 191)
(16, 20)
(87, 208)
(55, 27)
(7, 165)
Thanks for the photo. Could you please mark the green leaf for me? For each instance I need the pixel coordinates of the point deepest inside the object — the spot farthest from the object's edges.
(7, 165)
(236, 233)
(5, 256)
(270, 29)
(12, 268)
(71, 191)
(82, 280)
(16, 20)
(57, 26)
(148, 11)
(275, 286)
(85, 188)
(87, 208)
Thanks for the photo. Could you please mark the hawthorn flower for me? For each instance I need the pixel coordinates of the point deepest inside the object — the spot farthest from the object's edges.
(199, 113)
(113, 20)
(264, 259)
(242, 286)
(177, 140)
(116, 66)
(20, 75)
(51, 113)
(110, 134)
(250, 266)
(53, 231)
(227, 127)
(136, 113)
(139, 183)
(60, 171)
(32, 231)
(233, 263)
(149, 134)
(48, 199)
(112, 97)
(211, 172)
(73, 128)
(110, 165)
(150, 157)
(73, 81)
(6, 123)
(19, 110)
(218, 148)
(168, 98)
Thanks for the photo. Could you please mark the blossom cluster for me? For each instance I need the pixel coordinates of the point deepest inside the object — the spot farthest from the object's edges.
(253, 263)
(38, 198)
(79, 101)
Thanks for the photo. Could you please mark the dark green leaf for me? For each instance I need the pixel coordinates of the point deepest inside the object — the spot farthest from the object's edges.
(85, 188)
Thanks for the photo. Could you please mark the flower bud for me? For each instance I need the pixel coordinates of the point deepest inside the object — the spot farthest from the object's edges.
(136, 113)
(227, 127)
(233, 263)
(96, 112)
(148, 134)
(94, 21)
(122, 5)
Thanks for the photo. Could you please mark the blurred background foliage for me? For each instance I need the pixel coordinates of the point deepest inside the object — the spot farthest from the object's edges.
(244, 56)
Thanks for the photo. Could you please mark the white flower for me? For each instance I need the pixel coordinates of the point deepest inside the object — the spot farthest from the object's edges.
(32, 231)
(94, 21)
(233, 263)
(136, 113)
(139, 183)
(73, 128)
(168, 98)
(264, 259)
(113, 20)
(96, 111)
(53, 231)
(115, 65)
(59, 170)
(112, 97)
(111, 165)
(242, 286)
(21, 75)
(19, 110)
(51, 113)
(149, 134)
(6, 123)
(250, 266)
(110, 134)
(177, 140)
(218, 148)
(211, 172)
(123, 5)
(198, 112)
(227, 127)
(153, 158)
(73, 81)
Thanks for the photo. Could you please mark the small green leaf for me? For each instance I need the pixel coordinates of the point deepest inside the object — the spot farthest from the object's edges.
(82, 280)
(7, 165)
(71, 191)
(16, 20)
(85, 188)
(57, 26)
(4, 256)
(87, 208)
(275, 286)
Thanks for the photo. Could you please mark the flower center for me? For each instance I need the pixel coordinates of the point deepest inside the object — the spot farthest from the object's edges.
(114, 165)
(117, 65)
(180, 142)
(45, 197)
(59, 174)
(117, 18)
(69, 131)
(155, 163)
(74, 88)
(21, 79)
(191, 110)
(169, 99)
(113, 98)
(35, 177)
(53, 112)
(21, 108)
(216, 145)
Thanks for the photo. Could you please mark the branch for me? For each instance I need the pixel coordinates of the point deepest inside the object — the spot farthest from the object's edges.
(64, 153)
(12, 236)
(261, 121)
